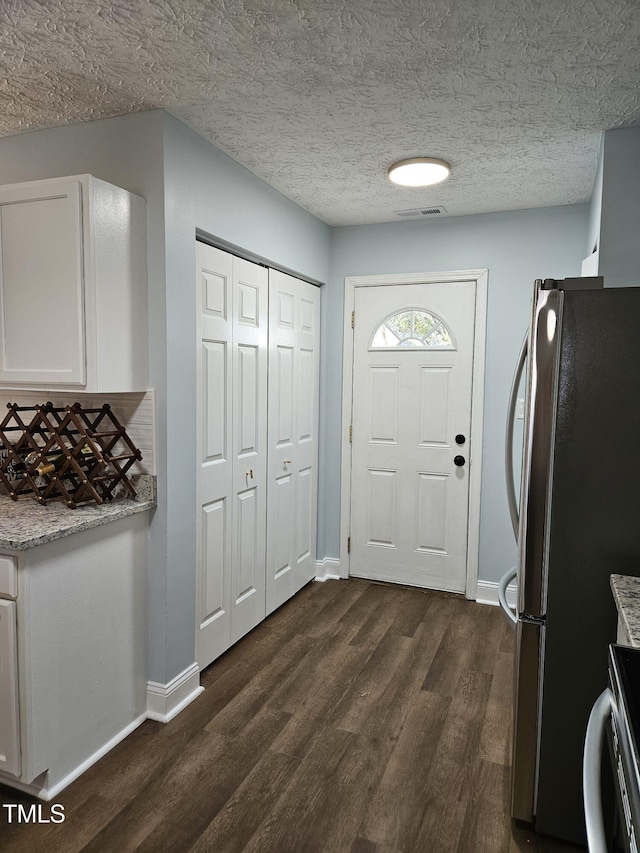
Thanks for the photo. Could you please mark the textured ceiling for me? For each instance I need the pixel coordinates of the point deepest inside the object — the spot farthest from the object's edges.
(319, 97)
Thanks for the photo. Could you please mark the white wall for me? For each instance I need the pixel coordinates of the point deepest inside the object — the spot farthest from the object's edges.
(595, 207)
(619, 227)
(516, 248)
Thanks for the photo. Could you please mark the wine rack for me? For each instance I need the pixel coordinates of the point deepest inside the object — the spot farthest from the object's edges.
(69, 453)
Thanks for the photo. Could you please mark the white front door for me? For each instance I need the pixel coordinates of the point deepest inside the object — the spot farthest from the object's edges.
(232, 298)
(412, 383)
(294, 339)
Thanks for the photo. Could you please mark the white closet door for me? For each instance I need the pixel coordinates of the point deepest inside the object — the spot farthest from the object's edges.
(232, 442)
(294, 337)
(250, 331)
(215, 453)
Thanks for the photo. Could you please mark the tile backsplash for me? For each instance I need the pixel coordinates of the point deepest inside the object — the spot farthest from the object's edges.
(135, 411)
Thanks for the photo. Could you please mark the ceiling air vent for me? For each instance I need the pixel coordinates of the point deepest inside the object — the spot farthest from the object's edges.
(434, 210)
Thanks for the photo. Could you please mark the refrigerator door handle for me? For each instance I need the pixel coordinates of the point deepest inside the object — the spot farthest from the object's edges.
(505, 580)
(508, 459)
(591, 765)
(537, 464)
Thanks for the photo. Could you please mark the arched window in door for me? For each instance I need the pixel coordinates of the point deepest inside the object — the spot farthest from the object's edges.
(412, 328)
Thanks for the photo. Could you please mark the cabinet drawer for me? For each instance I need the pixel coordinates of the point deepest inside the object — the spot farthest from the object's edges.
(8, 577)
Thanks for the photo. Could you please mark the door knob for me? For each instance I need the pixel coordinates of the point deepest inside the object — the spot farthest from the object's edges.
(286, 462)
(460, 439)
(459, 460)
(250, 473)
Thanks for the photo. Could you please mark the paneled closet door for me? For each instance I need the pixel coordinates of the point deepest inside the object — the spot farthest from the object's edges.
(232, 301)
(294, 338)
(250, 334)
(215, 456)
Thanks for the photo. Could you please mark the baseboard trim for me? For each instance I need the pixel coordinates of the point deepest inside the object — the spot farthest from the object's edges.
(165, 701)
(32, 788)
(328, 569)
(488, 593)
(41, 792)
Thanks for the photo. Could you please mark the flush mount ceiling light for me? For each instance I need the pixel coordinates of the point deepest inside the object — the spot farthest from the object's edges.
(418, 172)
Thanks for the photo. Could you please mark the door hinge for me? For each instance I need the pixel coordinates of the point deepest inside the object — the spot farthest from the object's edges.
(350, 433)
(353, 319)
(348, 545)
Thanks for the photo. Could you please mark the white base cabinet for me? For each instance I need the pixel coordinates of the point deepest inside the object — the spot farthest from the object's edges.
(78, 654)
(73, 286)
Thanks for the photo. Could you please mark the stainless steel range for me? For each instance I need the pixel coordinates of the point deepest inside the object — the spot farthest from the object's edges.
(616, 719)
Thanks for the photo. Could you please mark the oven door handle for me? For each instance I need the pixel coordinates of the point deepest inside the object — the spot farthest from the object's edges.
(591, 767)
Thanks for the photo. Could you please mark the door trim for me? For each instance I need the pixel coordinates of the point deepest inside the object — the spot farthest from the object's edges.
(480, 278)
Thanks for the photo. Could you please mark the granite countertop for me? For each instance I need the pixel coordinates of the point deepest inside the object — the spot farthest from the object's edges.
(626, 592)
(25, 523)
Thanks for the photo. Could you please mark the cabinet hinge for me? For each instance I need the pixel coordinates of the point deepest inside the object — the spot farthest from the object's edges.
(348, 545)
(350, 433)
(353, 319)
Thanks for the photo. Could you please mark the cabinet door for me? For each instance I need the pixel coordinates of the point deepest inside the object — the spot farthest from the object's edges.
(41, 284)
(10, 728)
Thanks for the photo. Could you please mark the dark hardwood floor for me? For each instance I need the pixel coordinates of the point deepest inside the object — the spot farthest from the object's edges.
(359, 718)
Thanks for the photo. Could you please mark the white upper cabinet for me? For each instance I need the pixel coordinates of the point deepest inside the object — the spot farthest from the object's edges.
(73, 286)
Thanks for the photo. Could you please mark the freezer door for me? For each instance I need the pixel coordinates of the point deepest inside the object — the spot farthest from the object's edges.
(529, 641)
(537, 457)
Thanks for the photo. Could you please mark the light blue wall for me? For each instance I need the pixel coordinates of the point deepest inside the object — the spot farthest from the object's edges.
(188, 184)
(206, 189)
(620, 224)
(127, 152)
(516, 248)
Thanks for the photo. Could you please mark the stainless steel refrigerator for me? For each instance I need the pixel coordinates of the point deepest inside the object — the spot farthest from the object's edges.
(578, 521)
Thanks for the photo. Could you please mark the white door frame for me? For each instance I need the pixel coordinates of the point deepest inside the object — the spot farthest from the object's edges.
(480, 278)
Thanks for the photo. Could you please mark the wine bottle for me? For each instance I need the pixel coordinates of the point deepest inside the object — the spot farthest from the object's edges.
(85, 459)
(14, 468)
(49, 464)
